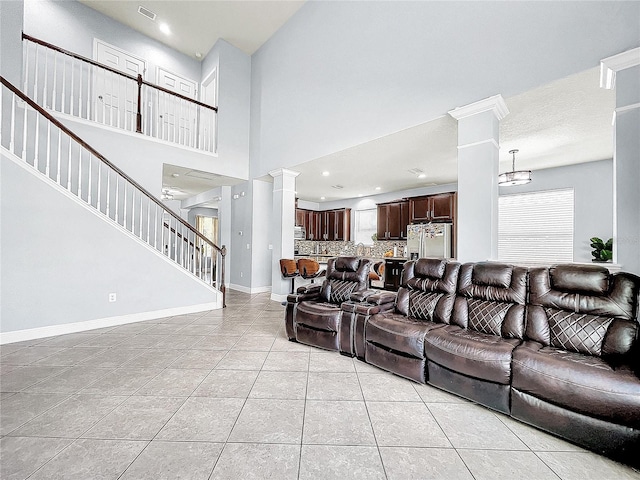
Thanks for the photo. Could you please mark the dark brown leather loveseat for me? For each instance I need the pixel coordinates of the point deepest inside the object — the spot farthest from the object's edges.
(314, 314)
(557, 348)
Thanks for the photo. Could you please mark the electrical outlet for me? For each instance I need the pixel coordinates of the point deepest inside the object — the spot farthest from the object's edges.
(248, 246)
(112, 297)
(241, 274)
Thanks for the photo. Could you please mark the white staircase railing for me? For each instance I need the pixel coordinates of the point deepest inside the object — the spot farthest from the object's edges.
(37, 138)
(65, 82)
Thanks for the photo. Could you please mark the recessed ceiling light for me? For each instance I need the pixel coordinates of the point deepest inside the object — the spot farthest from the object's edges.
(321, 198)
(359, 195)
(377, 188)
(175, 175)
(325, 174)
(164, 28)
(198, 55)
(422, 175)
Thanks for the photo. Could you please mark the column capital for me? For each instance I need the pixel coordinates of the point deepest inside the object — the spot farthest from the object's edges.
(281, 172)
(610, 65)
(495, 104)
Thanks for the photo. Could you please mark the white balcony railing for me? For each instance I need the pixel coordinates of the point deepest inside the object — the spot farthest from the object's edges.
(65, 82)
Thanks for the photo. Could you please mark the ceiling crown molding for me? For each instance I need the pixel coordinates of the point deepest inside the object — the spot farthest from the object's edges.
(610, 65)
(495, 104)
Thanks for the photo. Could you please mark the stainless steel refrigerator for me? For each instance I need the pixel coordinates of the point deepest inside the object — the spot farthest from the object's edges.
(429, 240)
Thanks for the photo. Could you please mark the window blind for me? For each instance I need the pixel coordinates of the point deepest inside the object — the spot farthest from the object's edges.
(366, 225)
(537, 227)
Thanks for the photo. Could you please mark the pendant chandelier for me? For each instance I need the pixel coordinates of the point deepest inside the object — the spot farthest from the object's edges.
(514, 177)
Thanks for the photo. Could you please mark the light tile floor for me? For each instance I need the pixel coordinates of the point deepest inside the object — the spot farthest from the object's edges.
(224, 395)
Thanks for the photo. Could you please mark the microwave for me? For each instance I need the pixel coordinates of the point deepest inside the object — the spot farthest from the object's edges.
(299, 233)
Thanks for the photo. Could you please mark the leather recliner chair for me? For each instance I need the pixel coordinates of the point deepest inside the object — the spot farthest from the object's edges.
(472, 356)
(313, 315)
(574, 374)
(394, 340)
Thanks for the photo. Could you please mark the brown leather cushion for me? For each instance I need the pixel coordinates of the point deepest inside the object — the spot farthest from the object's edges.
(594, 324)
(492, 275)
(578, 382)
(591, 279)
(399, 333)
(318, 315)
(471, 353)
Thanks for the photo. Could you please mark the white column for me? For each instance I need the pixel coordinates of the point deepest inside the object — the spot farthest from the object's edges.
(224, 224)
(284, 212)
(478, 145)
(622, 72)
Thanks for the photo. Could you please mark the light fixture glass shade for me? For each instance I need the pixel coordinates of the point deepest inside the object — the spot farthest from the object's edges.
(520, 177)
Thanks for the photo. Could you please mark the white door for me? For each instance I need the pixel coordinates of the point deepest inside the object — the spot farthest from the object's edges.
(208, 95)
(116, 97)
(176, 117)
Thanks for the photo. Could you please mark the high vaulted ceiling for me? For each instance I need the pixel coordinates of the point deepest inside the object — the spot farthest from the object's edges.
(564, 122)
(196, 25)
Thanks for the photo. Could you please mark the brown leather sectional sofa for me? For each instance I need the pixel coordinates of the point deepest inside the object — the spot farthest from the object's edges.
(557, 348)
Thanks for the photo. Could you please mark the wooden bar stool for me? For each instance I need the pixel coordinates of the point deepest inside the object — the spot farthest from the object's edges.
(310, 269)
(289, 269)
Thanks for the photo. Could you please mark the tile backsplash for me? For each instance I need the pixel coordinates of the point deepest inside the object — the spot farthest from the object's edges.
(377, 250)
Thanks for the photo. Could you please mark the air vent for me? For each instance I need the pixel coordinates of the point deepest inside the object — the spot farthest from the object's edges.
(416, 171)
(146, 13)
(338, 187)
(202, 175)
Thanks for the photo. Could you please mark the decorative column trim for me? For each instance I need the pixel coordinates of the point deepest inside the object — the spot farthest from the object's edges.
(611, 65)
(491, 141)
(495, 104)
(283, 171)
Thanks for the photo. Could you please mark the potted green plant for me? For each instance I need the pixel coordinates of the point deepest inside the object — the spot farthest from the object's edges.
(602, 251)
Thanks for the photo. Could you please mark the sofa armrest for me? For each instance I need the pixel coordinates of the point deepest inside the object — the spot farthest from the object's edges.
(306, 292)
(367, 309)
(381, 298)
(361, 295)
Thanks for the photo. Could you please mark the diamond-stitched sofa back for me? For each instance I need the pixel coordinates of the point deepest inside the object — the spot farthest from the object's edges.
(344, 276)
(428, 289)
(491, 299)
(583, 308)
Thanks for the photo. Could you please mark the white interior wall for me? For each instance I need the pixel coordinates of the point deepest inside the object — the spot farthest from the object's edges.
(262, 235)
(339, 74)
(241, 236)
(59, 261)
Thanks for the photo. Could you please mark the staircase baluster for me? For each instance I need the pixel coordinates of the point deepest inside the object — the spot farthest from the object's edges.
(99, 186)
(36, 151)
(71, 89)
(55, 81)
(59, 159)
(64, 85)
(12, 138)
(35, 77)
(79, 189)
(45, 81)
(24, 134)
(48, 159)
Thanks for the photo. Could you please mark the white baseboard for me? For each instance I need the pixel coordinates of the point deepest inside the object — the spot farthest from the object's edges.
(54, 330)
(243, 289)
(279, 297)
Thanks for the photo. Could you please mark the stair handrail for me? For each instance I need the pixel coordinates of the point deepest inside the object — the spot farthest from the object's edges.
(222, 250)
(138, 79)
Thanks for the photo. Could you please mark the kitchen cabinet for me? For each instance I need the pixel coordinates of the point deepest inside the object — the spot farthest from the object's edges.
(393, 273)
(336, 224)
(301, 217)
(432, 208)
(393, 218)
(314, 225)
